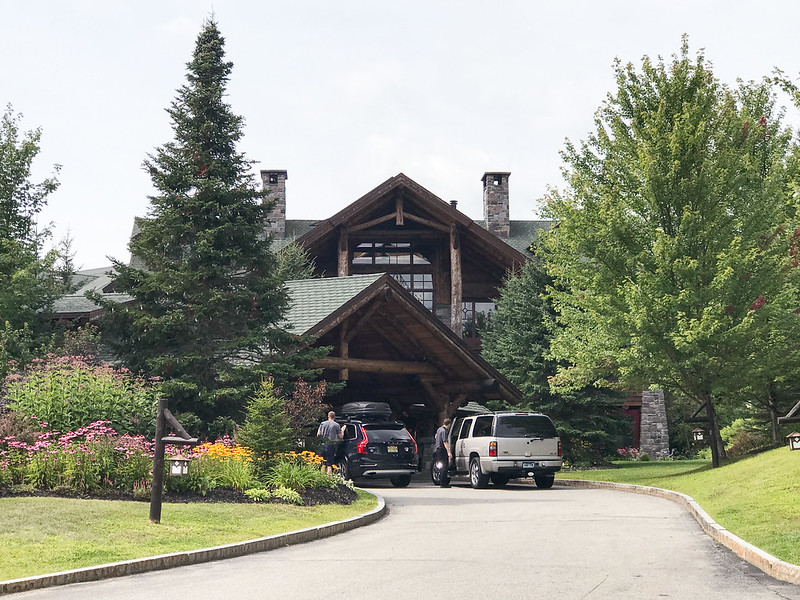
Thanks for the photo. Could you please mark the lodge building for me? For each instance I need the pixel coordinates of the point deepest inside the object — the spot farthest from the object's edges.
(405, 283)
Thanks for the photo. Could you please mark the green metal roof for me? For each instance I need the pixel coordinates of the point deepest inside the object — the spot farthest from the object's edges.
(312, 300)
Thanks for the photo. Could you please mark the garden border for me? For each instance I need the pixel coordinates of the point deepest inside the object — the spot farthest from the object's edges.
(772, 566)
(191, 557)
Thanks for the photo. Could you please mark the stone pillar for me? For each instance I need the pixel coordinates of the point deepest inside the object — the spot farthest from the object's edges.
(275, 182)
(654, 436)
(495, 204)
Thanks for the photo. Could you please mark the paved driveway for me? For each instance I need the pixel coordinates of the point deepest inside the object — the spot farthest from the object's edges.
(461, 543)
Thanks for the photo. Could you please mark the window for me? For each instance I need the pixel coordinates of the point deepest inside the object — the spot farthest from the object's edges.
(475, 316)
(388, 253)
(483, 426)
(464, 432)
(419, 284)
(517, 426)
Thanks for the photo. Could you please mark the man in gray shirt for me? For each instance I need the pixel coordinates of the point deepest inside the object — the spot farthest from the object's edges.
(331, 432)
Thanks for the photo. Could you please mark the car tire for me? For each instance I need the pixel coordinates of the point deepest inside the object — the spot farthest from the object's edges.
(400, 480)
(477, 478)
(439, 476)
(344, 470)
(544, 481)
(499, 479)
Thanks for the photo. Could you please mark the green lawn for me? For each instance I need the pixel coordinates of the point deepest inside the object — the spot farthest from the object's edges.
(46, 535)
(757, 498)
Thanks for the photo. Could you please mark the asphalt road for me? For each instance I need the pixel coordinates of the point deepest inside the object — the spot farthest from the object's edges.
(461, 543)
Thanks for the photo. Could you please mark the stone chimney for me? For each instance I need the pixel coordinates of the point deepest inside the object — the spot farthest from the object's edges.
(495, 203)
(275, 183)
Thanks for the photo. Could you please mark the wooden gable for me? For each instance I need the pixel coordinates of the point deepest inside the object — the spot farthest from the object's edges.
(403, 229)
(388, 347)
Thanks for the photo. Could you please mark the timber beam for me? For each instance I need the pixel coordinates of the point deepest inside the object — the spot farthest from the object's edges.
(376, 366)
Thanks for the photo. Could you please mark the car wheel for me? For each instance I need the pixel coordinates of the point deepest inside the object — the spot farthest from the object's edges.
(499, 480)
(438, 475)
(544, 481)
(477, 478)
(344, 469)
(400, 480)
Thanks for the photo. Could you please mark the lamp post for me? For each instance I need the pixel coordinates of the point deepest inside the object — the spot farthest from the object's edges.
(182, 464)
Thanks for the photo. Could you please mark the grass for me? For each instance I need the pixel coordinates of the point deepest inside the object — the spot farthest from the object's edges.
(47, 535)
(757, 498)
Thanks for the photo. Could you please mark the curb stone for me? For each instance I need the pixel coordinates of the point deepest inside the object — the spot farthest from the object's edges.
(191, 557)
(772, 566)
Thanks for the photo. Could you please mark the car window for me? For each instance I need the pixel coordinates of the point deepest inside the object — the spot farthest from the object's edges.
(483, 426)
(525, 426)
(464, 431)
(349, 431)
(387, 432)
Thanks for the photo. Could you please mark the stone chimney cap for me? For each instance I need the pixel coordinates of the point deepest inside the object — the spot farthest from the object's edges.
(492, 173)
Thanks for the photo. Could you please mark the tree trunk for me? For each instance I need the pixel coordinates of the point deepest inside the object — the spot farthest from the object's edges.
(715, 441)
(773, 414)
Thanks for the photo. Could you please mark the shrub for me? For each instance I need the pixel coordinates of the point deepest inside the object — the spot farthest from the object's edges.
(742, 437)
(258, 494)
(293, 471)
(266, 427)
(66, 392)
(287, 495)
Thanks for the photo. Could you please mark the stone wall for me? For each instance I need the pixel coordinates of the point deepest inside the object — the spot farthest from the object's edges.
(654, 436)
(495, 204)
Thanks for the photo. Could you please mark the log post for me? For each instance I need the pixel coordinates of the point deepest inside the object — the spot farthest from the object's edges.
(344, 262)
(455, 282)
(158, 465)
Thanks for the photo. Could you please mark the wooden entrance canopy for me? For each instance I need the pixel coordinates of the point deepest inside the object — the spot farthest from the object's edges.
(388, 347)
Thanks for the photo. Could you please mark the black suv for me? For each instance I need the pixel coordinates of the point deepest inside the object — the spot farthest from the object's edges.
(374, 446)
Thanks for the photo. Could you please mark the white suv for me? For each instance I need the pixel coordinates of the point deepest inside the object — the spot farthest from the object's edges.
(504, 445)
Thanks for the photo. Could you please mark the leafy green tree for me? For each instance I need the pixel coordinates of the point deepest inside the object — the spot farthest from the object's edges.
(674, 240)
(207, 304)
(28, 285)
(517, 343)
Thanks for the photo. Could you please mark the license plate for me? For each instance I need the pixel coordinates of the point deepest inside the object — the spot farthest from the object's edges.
(528, 465)
(392, 449)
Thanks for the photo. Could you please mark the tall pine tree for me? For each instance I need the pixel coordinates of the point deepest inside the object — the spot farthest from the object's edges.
(517, 342)
(209, 297)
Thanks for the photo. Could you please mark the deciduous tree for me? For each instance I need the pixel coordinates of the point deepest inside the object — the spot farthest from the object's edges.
(675, 236)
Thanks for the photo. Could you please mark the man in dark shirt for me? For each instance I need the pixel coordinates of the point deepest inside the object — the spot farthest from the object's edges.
(441, 455)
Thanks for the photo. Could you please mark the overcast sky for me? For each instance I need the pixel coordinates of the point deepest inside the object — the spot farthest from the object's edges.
(345, 94)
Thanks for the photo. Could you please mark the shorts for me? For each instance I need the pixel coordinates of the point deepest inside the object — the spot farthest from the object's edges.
(329, 453)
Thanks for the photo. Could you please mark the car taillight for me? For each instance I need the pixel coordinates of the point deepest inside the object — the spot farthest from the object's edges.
(361, 448)
(492, 448)
(413, 441)
(559, 447)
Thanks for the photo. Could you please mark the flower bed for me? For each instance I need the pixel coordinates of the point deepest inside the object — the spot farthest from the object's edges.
(96, 461)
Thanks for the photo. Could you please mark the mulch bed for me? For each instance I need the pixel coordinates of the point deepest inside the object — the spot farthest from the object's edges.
(339, 495)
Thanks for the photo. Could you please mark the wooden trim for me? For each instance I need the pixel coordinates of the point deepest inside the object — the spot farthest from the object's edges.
(376, 366)
(358, 324)
(368, 224)
(427, 222)
(399, 210)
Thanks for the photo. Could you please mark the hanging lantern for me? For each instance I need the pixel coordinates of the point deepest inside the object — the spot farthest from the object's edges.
(179, 466)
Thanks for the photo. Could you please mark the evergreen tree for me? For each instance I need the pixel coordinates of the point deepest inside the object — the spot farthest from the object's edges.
(28, 285)
(517, 343)
(209, 299)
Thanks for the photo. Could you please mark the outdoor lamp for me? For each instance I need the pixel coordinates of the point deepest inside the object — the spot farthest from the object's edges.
(698, 435)
(178, 466)
(794, 440)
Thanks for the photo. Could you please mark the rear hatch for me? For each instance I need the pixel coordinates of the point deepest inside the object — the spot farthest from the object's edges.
(525, 436)
(388, 444)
